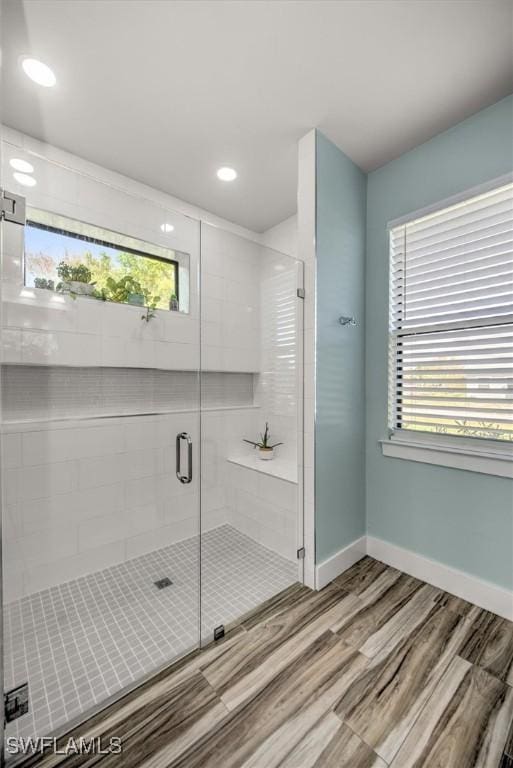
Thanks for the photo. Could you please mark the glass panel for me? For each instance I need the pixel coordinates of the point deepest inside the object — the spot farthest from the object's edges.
(101, 523)
(251, 364)
(100, 536)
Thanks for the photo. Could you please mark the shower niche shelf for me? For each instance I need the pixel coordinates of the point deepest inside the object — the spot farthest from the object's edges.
(41, 393)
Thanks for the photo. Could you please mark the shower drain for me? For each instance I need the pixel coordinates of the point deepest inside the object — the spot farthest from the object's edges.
(161, 583)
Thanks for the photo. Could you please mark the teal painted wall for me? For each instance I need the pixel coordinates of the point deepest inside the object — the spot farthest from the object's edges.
(459, 518)
(340, 420)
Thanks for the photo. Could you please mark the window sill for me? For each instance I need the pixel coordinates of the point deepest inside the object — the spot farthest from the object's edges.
(486, 459)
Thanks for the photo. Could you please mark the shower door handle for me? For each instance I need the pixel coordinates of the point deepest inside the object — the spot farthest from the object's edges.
(188, 477)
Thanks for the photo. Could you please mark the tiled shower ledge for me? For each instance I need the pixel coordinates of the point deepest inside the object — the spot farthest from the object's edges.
(277, 467)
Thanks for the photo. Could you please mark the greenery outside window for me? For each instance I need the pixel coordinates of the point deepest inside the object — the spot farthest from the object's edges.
(72, 257)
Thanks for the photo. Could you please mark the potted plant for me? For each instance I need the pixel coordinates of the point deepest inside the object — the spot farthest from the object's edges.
(126, 290)
(264, 447)
(75, 279)
(42, 282)
(173, 303)
(136, 295)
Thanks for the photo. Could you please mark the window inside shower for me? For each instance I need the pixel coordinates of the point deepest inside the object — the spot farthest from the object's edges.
(63, 255)
(53, 258)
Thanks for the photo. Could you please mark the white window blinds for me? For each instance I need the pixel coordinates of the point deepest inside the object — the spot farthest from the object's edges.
(451, 320)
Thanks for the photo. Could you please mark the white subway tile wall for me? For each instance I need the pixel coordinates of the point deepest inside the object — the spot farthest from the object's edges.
(82, 487)
(264, 508)
(280, 343)
(230, 301)
(77, 487)
(55, 330)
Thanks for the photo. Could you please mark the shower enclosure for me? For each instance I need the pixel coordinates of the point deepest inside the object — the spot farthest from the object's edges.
(140, 348)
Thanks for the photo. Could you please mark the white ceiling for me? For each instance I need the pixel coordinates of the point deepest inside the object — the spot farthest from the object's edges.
(166, 91)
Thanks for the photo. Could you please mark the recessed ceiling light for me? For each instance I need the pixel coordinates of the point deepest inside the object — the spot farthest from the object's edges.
(38, 72)
(166, 227)
(226, 174)
(26, 181)
(21, 165)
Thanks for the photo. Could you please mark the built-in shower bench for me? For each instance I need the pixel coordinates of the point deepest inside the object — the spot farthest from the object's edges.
(281, 468)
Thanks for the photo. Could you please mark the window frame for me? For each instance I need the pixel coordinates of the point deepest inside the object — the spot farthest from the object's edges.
(476, 454)
(106, 244)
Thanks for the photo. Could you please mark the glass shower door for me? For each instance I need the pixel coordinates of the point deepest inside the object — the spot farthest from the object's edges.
(100, 442)
(251, 380)
(115, 433)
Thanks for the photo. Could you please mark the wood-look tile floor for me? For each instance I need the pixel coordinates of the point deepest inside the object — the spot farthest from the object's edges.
(379, 669)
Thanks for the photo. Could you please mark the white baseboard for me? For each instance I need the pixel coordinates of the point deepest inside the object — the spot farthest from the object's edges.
(339, 562)
(478, 591)
(482, 593)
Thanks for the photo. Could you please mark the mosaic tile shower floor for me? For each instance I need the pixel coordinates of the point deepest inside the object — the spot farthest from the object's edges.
(80, 642)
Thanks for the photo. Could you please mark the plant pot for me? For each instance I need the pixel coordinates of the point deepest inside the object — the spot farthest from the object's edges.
(136, 299)
(173, 304)
(266, 454)
(88, 289)
(80, 289)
